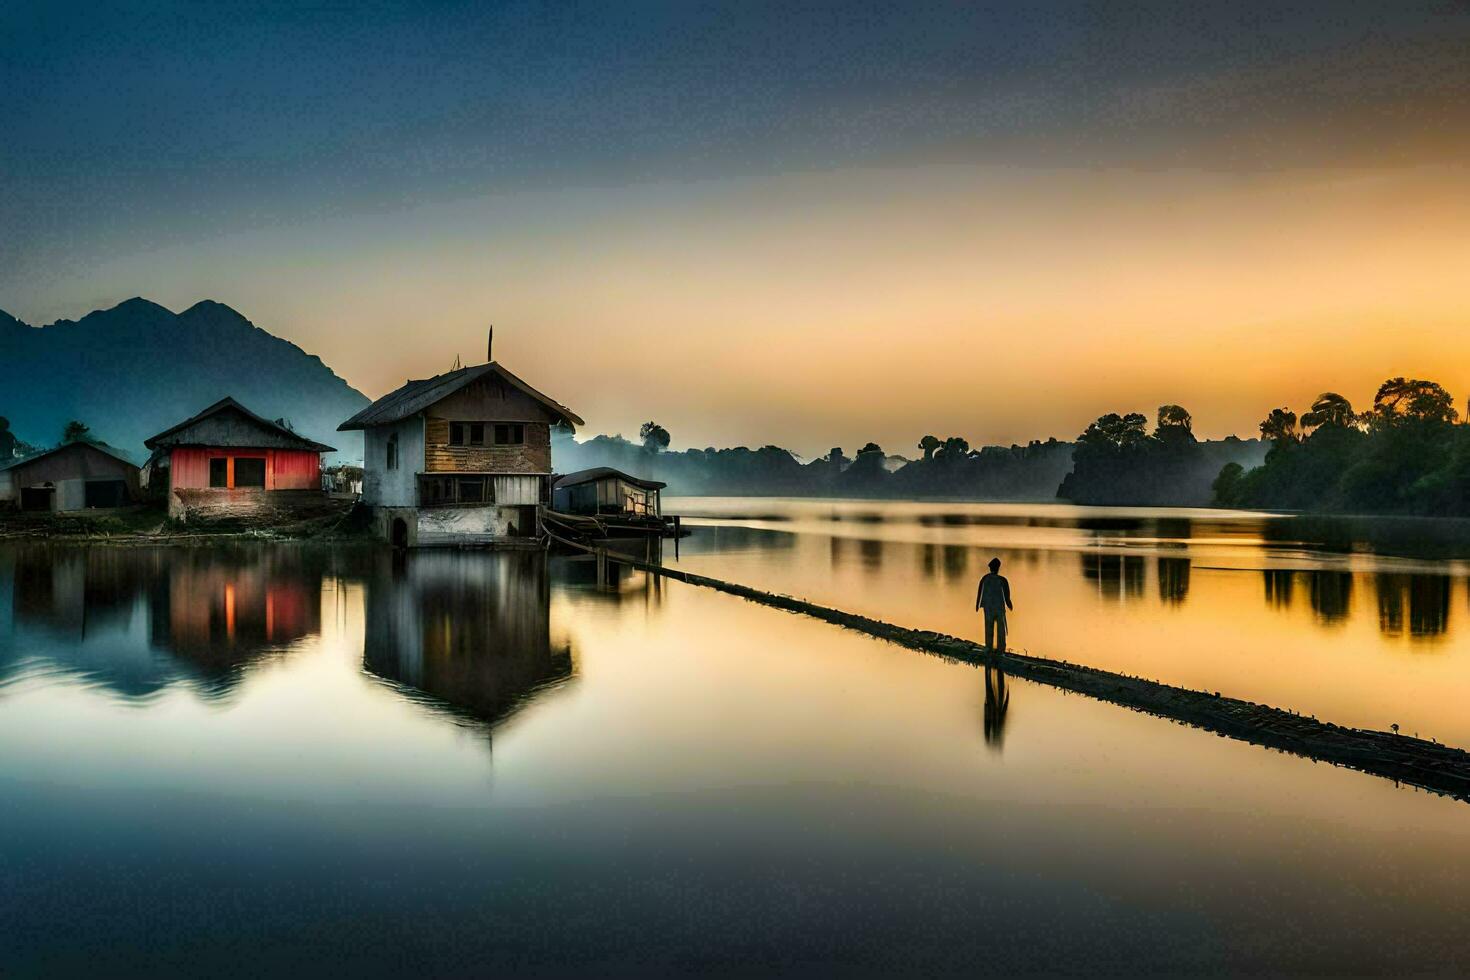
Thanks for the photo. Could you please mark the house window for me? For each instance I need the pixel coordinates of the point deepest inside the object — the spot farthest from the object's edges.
(219, 472)
(510, 433)
(472, 490)
(391, 453)
(467, 433)
(250, 471)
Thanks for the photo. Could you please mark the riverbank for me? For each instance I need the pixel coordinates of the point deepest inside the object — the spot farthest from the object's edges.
(336, 519)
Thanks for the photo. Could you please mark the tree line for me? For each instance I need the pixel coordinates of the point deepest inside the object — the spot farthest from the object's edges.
(1408, 453)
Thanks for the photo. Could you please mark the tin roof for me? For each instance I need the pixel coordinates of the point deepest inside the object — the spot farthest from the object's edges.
(415, 396)
(101, 447)
(228, 403)
(604, 473)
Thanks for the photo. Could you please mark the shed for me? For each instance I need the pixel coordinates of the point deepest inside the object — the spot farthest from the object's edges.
(73, 476)
(604, 490)
(228, 458)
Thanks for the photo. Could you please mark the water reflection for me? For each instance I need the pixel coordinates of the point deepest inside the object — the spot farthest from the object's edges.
(225, 613)
(473, 635)
(1331, 595)
(135, 621)
(997, 705)
(1279, 584)
(1173, 576)
(1427, 598)
(1114, 576)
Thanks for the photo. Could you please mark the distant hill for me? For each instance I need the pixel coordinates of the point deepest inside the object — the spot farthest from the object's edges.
(134, 370)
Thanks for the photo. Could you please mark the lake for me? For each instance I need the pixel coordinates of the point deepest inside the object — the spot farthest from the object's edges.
(1363, 623)
(251, 759)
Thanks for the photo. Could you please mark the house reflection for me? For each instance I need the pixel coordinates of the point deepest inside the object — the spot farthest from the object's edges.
(134, 621)
(224, 611)
(1426, 598)
(472, 634)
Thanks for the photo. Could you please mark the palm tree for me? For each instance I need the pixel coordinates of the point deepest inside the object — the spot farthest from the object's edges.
(1330, 409)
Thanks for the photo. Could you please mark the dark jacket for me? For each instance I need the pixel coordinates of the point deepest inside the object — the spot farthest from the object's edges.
(994, 593)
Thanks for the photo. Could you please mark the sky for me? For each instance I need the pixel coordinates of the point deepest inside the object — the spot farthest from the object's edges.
(806, 224)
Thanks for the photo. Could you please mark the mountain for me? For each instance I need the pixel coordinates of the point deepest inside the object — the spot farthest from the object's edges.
(136, 369)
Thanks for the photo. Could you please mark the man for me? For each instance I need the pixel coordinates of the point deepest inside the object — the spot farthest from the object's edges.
(994, 597)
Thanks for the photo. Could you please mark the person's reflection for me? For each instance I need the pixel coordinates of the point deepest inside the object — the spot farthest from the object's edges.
(997, 704)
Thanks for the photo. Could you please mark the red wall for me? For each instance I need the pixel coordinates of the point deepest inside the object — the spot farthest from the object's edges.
(285, 469)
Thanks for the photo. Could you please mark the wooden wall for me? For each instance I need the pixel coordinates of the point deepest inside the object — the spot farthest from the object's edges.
(285, 469)
(441, 457)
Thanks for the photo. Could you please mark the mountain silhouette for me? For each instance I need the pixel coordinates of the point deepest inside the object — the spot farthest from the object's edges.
(134, 370)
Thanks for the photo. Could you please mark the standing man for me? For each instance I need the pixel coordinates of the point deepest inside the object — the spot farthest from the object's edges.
(994, 596)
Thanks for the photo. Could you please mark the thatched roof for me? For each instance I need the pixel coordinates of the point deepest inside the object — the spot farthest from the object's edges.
(415, 396)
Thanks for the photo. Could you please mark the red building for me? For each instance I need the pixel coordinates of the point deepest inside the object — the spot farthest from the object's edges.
(228, 459)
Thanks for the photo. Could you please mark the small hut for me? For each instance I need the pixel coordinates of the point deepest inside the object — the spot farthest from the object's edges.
(72, 477)
(228, 460)
(604, 491)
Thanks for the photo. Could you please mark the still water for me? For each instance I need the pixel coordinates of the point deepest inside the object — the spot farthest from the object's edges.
(271, 759)
(1363, 623)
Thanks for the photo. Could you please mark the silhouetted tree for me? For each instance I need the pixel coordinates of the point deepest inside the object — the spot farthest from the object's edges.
(1114, 432)
(955, 447)
(1279, 427)
(654, 436)
(1175, 415)
(75, 432)
(1175, 425)
(1400, 399)
(7, 439)
(1330, 409)
(1413, 458)
(928, 444)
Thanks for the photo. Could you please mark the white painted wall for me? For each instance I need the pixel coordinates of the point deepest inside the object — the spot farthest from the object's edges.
(382, 487)
(7, 486)
(511, 490)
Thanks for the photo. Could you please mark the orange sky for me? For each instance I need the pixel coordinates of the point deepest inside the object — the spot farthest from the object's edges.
(832, 308)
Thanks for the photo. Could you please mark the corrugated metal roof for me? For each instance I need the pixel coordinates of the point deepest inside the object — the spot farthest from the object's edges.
(603, 473)
(101, 447)
(230, 403)
(415, 396)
